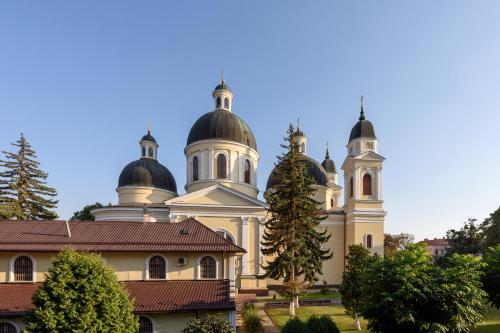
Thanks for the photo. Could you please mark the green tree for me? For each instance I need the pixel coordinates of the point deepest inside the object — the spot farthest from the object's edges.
(84, 214)
(491, 227)
(394, 243)
(407, 293)
(81, 294)
(208, 324)
(350, 288)
(469, 239)
(491, 279)
(23, 185)
(292, 238)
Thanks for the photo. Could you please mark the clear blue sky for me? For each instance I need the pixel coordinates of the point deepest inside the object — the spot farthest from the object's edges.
(82, 79)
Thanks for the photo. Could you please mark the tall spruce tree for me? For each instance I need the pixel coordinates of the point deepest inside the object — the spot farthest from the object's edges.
(292, 240)
(24, 193)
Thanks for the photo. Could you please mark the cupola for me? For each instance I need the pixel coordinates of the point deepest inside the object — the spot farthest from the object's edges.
(223, 97)
(300, 139)
(362, 137)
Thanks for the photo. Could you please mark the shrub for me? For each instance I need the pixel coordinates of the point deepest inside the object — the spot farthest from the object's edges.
(323, 324)
(251, 321)
(208, 324)
(295, 325)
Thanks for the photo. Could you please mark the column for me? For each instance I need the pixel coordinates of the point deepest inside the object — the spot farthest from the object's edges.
(356, 182)
(379, 183)
(230, 275)
(210, 162)
(262, 221)
(244, 244)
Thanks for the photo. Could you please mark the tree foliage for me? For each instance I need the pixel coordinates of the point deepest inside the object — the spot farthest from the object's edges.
(491, 229)
(292, 239)
(24, 193)
(491, 279)
(84, 214)
(407, 293)
(208, 324)
(323, 324)
(468, 240)
(358, 260)
(394, 243)
(81, 294)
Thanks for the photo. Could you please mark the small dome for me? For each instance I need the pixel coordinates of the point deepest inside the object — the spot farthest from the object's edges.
(314, 170)
(148, 173)
(148, 137)
(363, 128)
(328, 164)
(222, 125)
(222, 86)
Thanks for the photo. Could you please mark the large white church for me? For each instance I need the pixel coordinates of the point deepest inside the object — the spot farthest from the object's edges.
(221, 190)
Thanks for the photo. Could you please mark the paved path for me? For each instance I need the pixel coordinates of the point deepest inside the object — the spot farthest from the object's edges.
(269, 326)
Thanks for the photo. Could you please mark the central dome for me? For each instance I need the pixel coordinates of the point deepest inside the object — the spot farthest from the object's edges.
(147, 172)
(314, 170)
(222, 125)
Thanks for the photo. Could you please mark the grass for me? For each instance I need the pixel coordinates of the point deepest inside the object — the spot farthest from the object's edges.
(344, 322)
(331, 295)
(490, 323)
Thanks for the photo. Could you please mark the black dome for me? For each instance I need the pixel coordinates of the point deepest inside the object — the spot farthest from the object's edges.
(222, 86)
(363, 128)
(314, 170)
(328, 164)
(149, 173)
(148, 137)
(222, 125)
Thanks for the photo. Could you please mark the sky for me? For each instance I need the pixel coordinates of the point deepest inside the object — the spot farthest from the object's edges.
(82, 79)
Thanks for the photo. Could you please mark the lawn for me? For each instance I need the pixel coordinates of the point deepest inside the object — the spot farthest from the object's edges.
(331, 295)
(490, 324)
(344, 322)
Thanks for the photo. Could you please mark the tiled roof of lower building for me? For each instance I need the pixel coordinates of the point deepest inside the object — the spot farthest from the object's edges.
(149, 296)
(186, 236)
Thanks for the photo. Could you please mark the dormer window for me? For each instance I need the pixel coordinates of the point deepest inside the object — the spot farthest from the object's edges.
(218, 103)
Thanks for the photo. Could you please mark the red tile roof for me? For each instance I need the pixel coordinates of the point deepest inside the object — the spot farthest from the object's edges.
(149, 296)
(436, 241)
(186, 236)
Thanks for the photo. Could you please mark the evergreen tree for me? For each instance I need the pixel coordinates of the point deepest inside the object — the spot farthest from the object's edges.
(468, 240)
(81, 294)
(491, 279)
(491, 227)
(292, 239)
(352, 297)
(23, 185)
(84, 214)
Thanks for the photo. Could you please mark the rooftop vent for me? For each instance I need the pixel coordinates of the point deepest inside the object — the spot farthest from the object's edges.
(184, 231)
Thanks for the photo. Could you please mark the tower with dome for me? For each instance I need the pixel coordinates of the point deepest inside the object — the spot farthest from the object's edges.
(221, 190)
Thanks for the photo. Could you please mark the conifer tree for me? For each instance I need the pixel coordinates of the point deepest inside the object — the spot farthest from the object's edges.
(292, 239)
(24, 193)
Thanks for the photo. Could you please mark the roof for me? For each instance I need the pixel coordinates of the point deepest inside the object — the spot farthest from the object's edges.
(148, 137)
(113, 236)
(314, 170)
(436, 241)
(222, 86)
(328, 164)
(362, 129)
(222, 125)
(149, 296)
(147, 172)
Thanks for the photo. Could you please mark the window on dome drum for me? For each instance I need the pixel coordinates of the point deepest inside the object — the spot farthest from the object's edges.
(7, 328)
(247, 171)
(150, 151)
(367, 184)
(23, 269)
(226, 103)
(369, 241)
(195, 168)
(144, 151)
(221, 166)
(145, 325)
(218, 102)
(207, 268)
(226, 235)
(157, 268)
(351, 187)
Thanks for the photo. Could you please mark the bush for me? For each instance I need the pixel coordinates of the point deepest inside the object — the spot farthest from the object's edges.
(251, 321)
(323, 324)
(294, 325)
(208, 324)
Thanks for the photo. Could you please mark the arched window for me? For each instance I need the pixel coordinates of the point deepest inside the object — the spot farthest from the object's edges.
(195, 168)
(247, 171)
(218, 102)
(367, 184)
(157, 268)
(143, 151)
(145, 325)
(221, 166)
(331, 203)
(23, 269)
(6, 327)
(226, 235)
(226, 103)
(351, 187)
(208, 268)
(151, 153)
(369, 241)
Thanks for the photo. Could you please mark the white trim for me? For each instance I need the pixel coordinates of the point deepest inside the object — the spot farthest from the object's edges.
(227, 232)
(147, 188)
(13, 323)
(223, 141)
(147, 267)
(11, 267)
(198, 268)
(150, 318)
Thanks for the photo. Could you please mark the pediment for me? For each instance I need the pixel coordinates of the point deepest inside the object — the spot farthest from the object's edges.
(216, 196)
